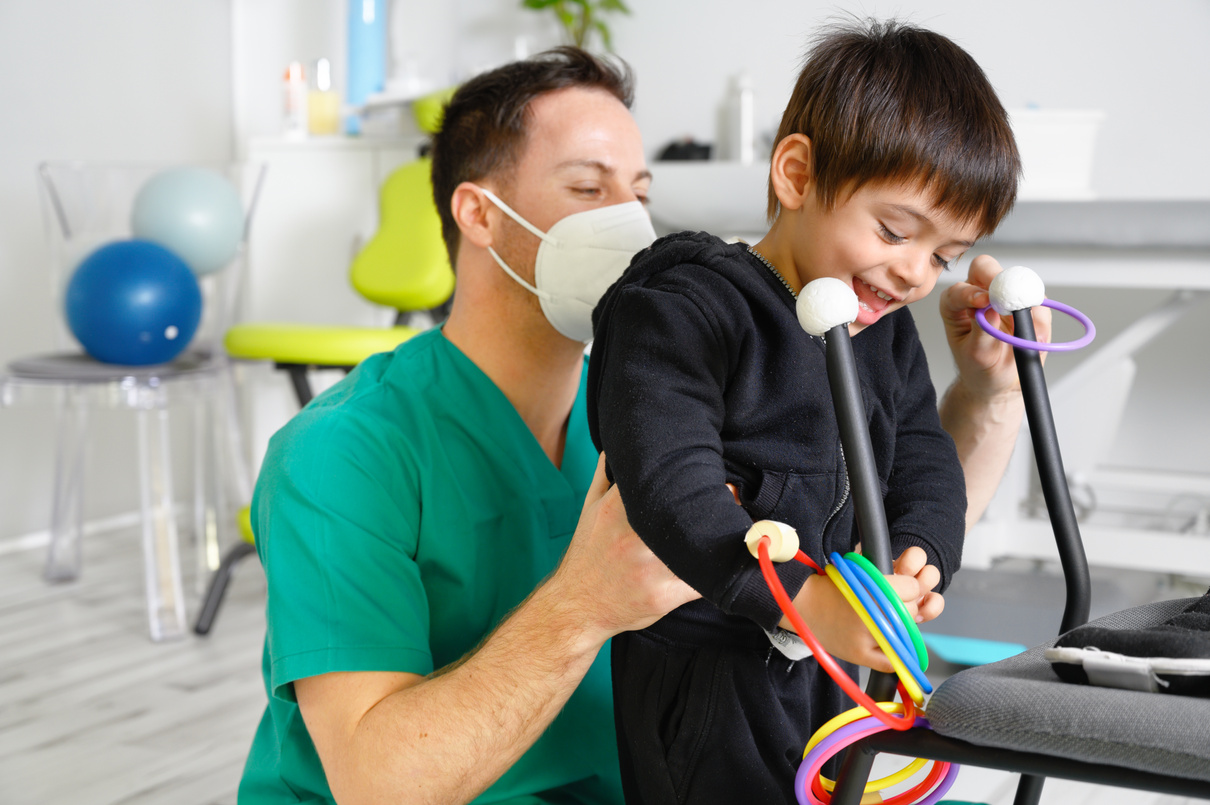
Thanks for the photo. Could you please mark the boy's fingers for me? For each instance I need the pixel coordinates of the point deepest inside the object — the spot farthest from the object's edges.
(931, 605)
(906, 587)
(962, 298)
(735, 494)
(929, 577)
(911, 561)
(983, 269)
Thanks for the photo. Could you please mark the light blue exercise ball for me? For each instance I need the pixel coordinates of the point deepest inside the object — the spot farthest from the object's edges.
(194, 212)
(133, 302)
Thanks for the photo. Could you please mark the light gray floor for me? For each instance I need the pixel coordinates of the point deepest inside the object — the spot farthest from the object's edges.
(93, 713)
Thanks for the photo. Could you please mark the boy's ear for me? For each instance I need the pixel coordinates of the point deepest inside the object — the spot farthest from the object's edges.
(790, 172)
(470, 207)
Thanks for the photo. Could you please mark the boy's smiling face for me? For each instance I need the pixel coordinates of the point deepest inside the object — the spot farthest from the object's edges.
(889, 242)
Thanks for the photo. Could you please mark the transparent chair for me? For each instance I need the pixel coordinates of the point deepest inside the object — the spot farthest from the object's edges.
(84, 206)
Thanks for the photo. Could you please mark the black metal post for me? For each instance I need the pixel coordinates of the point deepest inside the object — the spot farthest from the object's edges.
(871, 524)
(1058, 502)
(1054, 479)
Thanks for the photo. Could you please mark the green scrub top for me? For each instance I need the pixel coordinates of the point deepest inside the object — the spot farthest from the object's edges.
(399, 517)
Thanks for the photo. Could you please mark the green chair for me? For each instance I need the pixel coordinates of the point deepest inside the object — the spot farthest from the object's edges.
(404, 266)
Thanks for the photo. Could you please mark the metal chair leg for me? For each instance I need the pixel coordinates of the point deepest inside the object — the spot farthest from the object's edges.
(218, 586)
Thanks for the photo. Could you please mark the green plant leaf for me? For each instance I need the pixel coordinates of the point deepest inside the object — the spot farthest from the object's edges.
(603, 30)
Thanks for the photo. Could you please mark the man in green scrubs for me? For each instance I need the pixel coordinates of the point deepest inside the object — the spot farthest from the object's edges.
(407, 511)
(445, 559)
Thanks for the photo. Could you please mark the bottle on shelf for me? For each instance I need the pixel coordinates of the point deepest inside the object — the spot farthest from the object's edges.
(323, 103)
(295, 102)
(738, 138)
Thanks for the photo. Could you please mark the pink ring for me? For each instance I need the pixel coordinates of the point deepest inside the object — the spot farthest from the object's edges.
(1090, 331)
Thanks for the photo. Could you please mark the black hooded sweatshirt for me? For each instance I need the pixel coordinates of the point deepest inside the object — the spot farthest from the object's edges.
(701, 375)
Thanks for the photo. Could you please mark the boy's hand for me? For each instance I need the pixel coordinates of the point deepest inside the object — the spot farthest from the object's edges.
(841, 631)
(985, 365)
(835, 625)
(914, 579)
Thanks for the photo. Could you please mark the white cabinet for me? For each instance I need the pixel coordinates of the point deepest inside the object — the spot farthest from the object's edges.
(318, 205)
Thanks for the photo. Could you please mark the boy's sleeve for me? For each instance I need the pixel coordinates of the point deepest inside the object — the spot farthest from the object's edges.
(336, 527)
(926, 504)
(663, 365)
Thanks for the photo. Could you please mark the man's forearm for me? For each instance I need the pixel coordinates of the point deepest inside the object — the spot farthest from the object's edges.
(984, 430)
(449, 737)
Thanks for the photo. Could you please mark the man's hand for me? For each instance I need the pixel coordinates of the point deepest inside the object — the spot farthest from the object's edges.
(985, 365)
(618, 581)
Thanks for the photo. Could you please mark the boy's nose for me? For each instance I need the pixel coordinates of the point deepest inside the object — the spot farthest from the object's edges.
(913, 269)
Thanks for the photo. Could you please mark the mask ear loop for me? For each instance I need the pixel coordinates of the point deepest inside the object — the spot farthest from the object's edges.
(500, 262)
(511, 213)
(507, 210)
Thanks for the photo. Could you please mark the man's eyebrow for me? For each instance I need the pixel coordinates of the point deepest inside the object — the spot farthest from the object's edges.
(920, 216)
(599, 166)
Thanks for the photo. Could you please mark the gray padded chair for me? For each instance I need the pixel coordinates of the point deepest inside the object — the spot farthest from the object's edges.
(1017, 715)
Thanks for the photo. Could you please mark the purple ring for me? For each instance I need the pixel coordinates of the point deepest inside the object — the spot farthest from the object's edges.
(848, 734)
(1090, 331)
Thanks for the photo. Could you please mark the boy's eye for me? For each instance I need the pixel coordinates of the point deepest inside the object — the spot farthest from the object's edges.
(587, 191)
(890, 236)
(941, 262)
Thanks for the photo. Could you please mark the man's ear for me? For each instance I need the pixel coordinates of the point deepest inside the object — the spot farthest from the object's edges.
(470, 207)
(791, 170)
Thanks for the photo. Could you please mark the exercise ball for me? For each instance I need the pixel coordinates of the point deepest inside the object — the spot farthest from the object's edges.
(133, 302)
(195, 212)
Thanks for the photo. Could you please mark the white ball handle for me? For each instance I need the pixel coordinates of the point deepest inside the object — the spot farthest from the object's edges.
(783, 540)
(825, 303)
(1016, 288)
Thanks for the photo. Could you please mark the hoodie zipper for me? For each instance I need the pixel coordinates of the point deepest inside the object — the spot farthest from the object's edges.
(844, 496)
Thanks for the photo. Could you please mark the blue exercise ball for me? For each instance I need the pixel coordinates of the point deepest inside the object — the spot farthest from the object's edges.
(195, 212)
(133, 302)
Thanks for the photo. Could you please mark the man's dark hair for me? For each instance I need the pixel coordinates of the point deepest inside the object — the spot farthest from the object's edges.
(889, 102)
(484, 129)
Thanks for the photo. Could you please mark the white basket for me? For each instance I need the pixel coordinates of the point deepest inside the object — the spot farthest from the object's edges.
(1057, 148)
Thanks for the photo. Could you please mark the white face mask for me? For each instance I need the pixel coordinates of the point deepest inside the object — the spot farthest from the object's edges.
(579, 258)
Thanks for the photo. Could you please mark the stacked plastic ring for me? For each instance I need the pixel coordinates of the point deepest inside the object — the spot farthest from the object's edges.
(880, 609)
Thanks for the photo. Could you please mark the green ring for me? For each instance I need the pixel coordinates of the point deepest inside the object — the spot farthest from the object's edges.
(922, 653)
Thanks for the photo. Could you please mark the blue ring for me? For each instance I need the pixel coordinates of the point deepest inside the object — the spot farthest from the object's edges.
(908, 658)
(879, 615)
(888, 610)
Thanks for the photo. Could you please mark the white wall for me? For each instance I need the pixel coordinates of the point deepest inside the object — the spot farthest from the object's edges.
(148, 80)
(1145, 64)
(132, 80)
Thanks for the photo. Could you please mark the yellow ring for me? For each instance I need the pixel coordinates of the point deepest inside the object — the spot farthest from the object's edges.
(905, 676)
(848, 717)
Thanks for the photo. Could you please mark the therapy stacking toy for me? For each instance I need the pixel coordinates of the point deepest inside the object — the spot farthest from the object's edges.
(825, 308)
(1016, 295)
(1018, 289)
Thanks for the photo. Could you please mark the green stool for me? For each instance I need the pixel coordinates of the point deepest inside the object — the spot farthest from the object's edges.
(404, 266)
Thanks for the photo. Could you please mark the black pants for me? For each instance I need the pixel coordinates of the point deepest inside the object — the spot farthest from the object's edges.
(723, 725)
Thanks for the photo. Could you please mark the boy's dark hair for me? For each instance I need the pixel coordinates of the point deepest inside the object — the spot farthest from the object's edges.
(885, 101)
(484, 128)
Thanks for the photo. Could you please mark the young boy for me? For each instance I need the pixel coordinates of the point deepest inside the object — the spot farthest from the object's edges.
(893, 156)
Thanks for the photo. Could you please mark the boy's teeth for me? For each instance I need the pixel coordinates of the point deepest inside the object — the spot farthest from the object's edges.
(878, 293)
